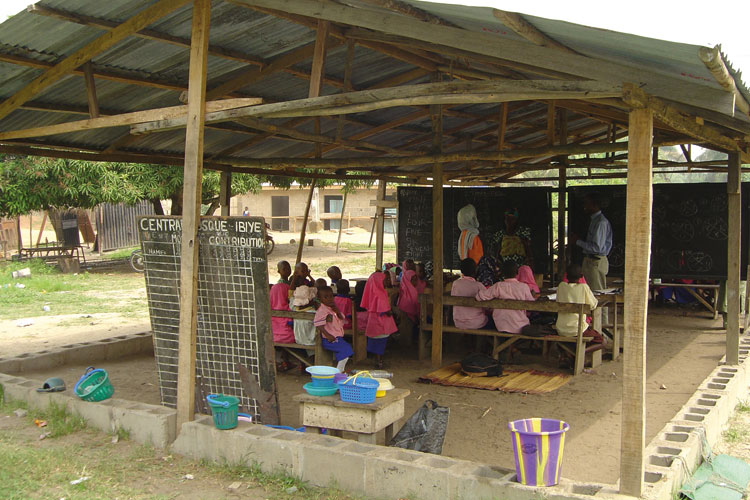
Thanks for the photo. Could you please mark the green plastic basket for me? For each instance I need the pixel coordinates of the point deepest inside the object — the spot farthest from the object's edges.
(224, 410)
(94, 385)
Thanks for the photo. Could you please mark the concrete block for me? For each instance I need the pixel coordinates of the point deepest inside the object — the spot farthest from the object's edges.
(324, 463)
(96, 414)
(477, 481)
(396, 474)
(147, 424)
(9, 365)
(13, 390)
(86, 353)
(44, 361)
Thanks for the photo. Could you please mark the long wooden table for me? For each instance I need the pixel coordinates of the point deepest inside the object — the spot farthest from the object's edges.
(691, 287)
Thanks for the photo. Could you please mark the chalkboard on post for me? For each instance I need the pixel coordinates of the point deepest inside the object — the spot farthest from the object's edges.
(415, 221)
(234, 315)
(689, 228)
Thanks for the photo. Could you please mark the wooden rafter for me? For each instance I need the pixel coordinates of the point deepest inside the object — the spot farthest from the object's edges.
(524, 28)
(126, 119)
(91, 49)
(91, 90)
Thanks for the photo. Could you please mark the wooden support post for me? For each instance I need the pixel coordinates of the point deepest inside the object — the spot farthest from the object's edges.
(502, 128)
(637, 261)
(436, 113)
(551, 123)
(191, 199)
(18, 231)
(88, 75)
(734, 238)
(303, 231)
(379, 226)
(341, 221)
(31, 236)
(225, 192)
(316, 82)
(41, 229)
(562, 186)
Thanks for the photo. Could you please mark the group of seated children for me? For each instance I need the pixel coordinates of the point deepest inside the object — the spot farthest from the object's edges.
(519, 284)
(334, 308)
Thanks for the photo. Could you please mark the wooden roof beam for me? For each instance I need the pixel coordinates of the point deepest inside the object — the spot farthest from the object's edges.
(524, 28)
(91, 49)
(711, 57)
(410, 95)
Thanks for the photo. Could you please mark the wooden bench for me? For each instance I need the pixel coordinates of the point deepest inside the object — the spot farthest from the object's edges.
(52, 252)
(321, 357)
(713, 309)
(576, 346)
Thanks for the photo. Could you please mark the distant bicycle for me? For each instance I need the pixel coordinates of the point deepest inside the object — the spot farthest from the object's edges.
(270, 244)
(136, 261)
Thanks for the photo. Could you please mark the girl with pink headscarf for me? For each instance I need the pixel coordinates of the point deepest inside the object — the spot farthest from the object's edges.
(380, 323)
(526, 275)
(408, 300)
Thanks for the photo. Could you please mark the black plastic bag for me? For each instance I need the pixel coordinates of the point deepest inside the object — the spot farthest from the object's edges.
(425, 430)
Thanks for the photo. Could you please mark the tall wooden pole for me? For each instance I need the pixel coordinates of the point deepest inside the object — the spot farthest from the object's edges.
(341, 221)
(303, 232)
(436, 114)
(225, 193)
(191, 198)
(316, 83)
(734, 237)
(562, 197)
(18, 231)
(637, 261)
(88, 75)
(379, 226)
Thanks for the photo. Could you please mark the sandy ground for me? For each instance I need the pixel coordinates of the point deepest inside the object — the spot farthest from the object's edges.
(683, 347)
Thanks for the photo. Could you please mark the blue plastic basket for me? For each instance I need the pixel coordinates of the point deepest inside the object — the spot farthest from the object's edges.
(358, 389)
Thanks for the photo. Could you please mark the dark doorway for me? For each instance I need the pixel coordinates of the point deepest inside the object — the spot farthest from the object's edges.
(279, 208)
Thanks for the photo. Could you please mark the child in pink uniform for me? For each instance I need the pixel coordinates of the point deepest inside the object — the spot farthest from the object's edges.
(344, 302)
(329, 323)
(380, 323)
(408, 301)
(282, 327)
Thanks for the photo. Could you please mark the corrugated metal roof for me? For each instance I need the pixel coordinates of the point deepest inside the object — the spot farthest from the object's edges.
(256, 36)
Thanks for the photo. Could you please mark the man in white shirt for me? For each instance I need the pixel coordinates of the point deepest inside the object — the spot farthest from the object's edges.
(574, 293)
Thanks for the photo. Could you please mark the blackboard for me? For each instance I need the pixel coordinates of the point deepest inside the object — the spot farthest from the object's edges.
(415, 220)
(234, 313)
(689, 228)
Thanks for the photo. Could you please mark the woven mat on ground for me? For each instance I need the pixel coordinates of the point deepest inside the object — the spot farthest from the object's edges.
(525, 381)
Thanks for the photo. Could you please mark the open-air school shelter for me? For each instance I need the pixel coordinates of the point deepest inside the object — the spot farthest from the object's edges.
(390, 90)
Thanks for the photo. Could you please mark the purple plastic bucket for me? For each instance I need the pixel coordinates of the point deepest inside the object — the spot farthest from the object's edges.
(538, 448)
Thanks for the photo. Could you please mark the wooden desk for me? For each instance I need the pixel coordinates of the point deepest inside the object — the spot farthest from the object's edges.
(366, 420)
(605, 300)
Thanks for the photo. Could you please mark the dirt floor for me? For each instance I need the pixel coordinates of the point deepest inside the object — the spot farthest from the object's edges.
(684, 345)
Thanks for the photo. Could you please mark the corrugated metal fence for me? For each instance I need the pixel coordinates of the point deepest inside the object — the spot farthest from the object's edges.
(119, 224)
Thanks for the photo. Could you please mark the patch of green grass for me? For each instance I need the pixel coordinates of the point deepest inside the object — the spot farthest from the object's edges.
(60, 422)
(123, 253)
(277, 481)
(121, 434)
(735, 435)
(84, 293)
(742, 407)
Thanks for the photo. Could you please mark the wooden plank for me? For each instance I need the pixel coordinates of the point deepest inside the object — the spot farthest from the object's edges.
(516, 305)
(191, 199)
(436, 114)
(84, 54)
(126, 119)
(383, 203)
(487, 44)
(502, 129)
(379, 226)
(517, 23)
(319, 56)
(454, 92)
(91, 90)
(637, 261)
(734, 249)
(225, 192)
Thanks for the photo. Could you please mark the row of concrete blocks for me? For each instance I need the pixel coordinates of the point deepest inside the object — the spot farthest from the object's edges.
(375, 471)
(147, 424)
(677, 448)
(80, 353)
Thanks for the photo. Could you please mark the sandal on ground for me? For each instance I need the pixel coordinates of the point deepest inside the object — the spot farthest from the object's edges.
(284, 366)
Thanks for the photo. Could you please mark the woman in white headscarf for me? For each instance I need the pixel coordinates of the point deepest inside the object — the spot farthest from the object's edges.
(469, 243)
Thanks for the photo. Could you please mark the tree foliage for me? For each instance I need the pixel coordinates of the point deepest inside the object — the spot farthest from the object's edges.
(35, 183)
